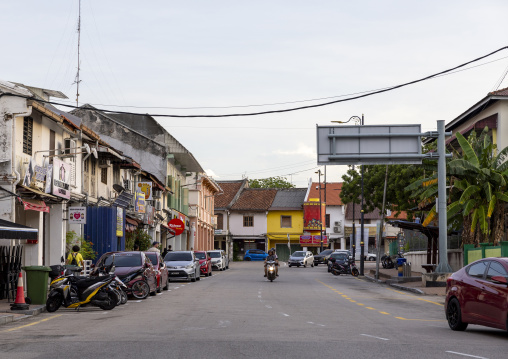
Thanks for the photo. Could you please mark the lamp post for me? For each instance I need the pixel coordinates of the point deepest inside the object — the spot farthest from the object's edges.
(359, 121)
(320, 214)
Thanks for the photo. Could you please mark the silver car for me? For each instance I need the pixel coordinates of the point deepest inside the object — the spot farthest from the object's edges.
(301, 258)
(182, 265)
(220, 260)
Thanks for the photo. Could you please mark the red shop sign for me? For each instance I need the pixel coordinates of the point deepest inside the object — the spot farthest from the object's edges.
(176, 225)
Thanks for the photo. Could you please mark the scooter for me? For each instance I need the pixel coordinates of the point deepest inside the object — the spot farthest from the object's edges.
(348, 267)
(73, 292)
(271, 270)
(388, 263)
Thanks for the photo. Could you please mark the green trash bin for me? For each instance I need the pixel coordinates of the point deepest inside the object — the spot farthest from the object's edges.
(37, 283)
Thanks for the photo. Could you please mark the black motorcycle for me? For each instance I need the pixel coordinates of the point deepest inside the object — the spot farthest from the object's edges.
(348, 267)
(388, 263)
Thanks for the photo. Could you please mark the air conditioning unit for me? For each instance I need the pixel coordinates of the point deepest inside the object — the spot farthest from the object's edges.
(156, 193)
(104, 163)
(336, 230)
(337, 223)
(157, 205)
(127, 184)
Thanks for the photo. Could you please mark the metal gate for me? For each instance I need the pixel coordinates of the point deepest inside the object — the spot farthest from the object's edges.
(283, 251)
(10, 266)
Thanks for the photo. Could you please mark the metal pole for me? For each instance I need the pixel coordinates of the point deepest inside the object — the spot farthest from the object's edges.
(353, 245)
(380, 233)
(320, 215)
(362, 246)
(443, 266)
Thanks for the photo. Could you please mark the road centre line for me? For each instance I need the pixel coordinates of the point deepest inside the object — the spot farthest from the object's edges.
(28, 325)
(422, 320)
(466, 355)
(372, 336)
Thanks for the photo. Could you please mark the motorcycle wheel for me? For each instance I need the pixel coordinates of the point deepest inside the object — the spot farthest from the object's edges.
(112, 301)
(355, 272)
(123, 296)
(53, 303)
(140, 289)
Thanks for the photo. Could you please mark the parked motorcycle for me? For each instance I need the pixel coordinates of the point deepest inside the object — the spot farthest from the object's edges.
(117, 285)
(388, 263)
(347, 267)
(74, 292)
(271, 270)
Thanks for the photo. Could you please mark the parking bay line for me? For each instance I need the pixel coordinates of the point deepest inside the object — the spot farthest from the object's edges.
(371, 336)
(466, 355)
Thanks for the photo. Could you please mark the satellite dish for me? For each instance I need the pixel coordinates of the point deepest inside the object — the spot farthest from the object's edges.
(118, 188)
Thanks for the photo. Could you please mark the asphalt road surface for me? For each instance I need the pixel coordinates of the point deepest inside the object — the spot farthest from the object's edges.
(305, 313)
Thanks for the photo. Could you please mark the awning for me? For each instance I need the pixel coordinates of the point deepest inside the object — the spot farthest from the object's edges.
(10, 230)
(34, 205)
(131, 221)
(168, 229)
(40, 193)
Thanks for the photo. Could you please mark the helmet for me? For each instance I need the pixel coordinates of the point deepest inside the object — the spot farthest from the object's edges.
(270, 252)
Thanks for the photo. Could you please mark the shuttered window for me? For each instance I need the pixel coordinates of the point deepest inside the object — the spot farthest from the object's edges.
(28, 129)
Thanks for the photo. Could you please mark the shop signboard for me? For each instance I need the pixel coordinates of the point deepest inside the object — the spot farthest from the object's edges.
(177, 226)
(140, 204)
(119, 221)
(311, 214)
(313, 241)
(61, 178)
(146, 188)
(77, 215)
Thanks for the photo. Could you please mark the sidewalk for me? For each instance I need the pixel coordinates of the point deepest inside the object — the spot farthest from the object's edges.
(390, 277)
(7, 315)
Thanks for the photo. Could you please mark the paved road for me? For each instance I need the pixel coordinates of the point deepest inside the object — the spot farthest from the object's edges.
(305, 313)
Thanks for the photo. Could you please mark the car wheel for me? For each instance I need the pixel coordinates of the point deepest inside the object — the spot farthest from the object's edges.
(304, 265)
(193, 279)
(140, 289)
(316, 264)
(454, 316)
(289, 265)
(167, 284)
(248, 259)
(372, 259)
(312, 265)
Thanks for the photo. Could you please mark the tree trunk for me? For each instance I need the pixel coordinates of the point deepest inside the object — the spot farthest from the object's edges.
(498, 223)
(467, 235)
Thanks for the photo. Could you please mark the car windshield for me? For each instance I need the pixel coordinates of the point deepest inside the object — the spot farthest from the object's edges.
(176, 256)
(125, 260)
(341, 256)
(214, 254)
(327, 252)
(153, 257)
(200, 255)
(299, 254)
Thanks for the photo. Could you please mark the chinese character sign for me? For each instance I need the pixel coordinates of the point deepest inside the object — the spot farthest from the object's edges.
(311, 220)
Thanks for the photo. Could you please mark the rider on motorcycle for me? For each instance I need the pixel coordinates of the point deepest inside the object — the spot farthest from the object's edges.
(272, 257)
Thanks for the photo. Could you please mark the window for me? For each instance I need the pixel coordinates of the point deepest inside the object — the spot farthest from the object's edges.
(220, 221)
(104, 175)
(94, 164)
(28, 127)
(496, 269)
(86, 164)
(248, 221)
(327, 220)
(285, 221)
(478, 269)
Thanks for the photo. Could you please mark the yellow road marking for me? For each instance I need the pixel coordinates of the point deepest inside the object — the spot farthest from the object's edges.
(385, 313)
(370, 308)
(416, 298)
(28, 325)
(352, 301)
(423, 320)
(360, 303)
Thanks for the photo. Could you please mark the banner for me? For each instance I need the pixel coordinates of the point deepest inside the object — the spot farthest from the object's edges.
(139, 201)
(311, 216)
(119, 221)
(61, 178)
(313, 241)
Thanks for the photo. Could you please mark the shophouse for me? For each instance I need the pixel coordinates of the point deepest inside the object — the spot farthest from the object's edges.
(223, 202)
(285, 221)
(248, 218)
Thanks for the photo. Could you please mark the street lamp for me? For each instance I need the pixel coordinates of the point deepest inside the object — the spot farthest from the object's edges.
(360, 122)
(320, 214)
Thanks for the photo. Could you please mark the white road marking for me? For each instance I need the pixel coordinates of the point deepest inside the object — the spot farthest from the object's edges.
(371, 336)
(466, 355)
(284, 314)
(320, 325)
(224, 323)
(259, 296)
(268, 306)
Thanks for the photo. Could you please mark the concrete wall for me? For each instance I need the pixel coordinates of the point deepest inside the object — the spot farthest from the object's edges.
(237, 228)
(455, 259)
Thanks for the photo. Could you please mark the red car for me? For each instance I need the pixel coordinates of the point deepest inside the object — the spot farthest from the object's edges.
(478, 294)
(205, 263)
(161, 270)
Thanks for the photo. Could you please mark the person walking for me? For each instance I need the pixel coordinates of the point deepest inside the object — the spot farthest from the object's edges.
(75, 258)
(154, 248)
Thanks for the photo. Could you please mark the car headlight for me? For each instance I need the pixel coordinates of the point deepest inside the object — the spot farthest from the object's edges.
(203, 264)
(188, 266)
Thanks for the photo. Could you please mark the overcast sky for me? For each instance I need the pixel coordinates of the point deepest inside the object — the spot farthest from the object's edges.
(159, 57)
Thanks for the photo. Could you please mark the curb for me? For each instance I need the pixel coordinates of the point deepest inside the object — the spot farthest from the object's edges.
(398, 286)
(9, 316)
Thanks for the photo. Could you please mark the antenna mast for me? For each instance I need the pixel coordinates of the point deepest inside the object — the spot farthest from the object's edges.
(77, 80)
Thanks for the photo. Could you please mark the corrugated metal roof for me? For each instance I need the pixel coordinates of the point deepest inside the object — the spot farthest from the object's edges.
(290, 198)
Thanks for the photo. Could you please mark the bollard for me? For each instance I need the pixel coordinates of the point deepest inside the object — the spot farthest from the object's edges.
(400, 263)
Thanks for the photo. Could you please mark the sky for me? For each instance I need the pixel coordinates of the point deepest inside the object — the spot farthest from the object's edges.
(226, 57)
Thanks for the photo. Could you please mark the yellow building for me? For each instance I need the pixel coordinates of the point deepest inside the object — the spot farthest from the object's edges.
(285, 221)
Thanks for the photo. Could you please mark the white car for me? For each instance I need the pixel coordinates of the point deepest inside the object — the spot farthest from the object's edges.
(220, 260)
(370, 257)
(301, 258)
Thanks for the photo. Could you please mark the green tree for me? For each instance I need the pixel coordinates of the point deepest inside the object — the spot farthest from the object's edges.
(139, 237)
(86, 247)
(399, 176)
(271, 182)
(479, 189)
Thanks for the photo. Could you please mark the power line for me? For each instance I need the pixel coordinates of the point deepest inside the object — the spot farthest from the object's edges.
(288, 109)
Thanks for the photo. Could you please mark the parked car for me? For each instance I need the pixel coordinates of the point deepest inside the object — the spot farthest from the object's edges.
(205, 263)
(219, 259)
(161, 270)
(348, 252)
(478, 294)
(301, 258)
(255, 255)
(322, 257)
(340, 258)
(182, 265)
(134, 268)
(370, 256)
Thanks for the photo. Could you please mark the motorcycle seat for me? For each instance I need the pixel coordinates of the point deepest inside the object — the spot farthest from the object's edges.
(87, 282)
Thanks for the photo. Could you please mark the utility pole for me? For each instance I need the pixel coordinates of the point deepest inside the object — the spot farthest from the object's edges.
(77, 80)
